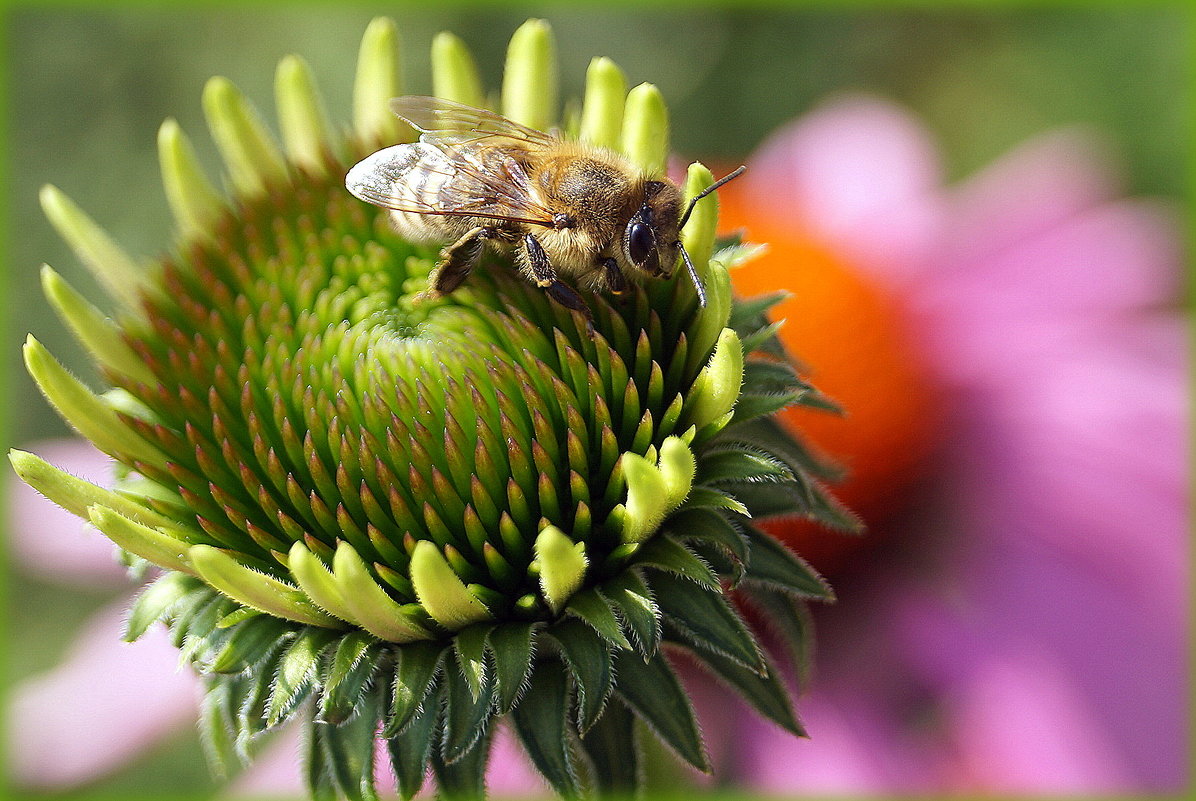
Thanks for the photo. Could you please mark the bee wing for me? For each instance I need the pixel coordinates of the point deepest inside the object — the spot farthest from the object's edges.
(448, 122)
(500, 190)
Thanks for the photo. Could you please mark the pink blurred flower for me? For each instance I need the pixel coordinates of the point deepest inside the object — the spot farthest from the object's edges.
(71, 724)
(1025, 631)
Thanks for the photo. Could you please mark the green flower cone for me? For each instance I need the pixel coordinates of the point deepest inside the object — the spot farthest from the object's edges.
(404, 520)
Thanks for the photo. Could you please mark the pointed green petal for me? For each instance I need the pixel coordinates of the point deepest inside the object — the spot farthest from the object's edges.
(255, 589)
(116, 271)
(246, 145)
(92, 329)
(75, 494)
(374, 610)
(84, 410)
(602, 111)
(699, 232)
(301, 114)
(317, 582)
(454, 74)
(529, 85)
(148, 543)
(647, 498)
(416, 671)
(717, 386)
(677, 468)
(562, 566)
(441, 591)
(377, 82)
(193, 200)
(540, 724)
(645, 137)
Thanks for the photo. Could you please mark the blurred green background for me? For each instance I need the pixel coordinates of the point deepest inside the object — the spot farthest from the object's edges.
(87, 89)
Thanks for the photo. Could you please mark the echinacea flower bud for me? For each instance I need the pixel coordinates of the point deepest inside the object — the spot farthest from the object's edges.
(400, 517)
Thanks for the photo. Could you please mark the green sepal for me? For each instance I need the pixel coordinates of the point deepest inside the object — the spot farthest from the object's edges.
(411, 749)
(762, 338)
(705, 620)
(652, 691)
(512, 645)
(238, 616)
(417, 666)
(763, 690)
(296, 673)
(348, 749)
(706, 526)
(632, 599)
(743, 464)
(590, 607)
(775, 565)
(470, 647)
(665, 553)
(711, 498)
(464, 779)
(589, 659)
(751, 405)
(540, 723)
(353, 667)
(788, 618)
(156, 601)
(611, 746)
(217, 727)
(466, 717)
(251, 643)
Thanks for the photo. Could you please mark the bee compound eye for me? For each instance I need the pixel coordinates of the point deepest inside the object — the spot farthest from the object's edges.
(640, 242)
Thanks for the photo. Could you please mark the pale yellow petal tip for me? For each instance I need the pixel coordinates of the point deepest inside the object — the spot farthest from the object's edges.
(441, 592)
(376, 82)
(193, 200)
(454, 72)
(645, 138)
(305, 131)
(563, 566)
(602, 109)
(529, 88)
(250, 154)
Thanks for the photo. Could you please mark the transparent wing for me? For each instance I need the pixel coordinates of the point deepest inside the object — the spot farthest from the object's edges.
(445, 121)
(495, 187)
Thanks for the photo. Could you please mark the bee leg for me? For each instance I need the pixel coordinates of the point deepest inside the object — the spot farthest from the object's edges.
(546, 279)
(456, 262)
(616, 282)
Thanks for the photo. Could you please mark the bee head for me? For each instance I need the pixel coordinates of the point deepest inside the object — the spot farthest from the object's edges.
(650, 238)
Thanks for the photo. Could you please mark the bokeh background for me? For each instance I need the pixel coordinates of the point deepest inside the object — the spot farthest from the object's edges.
(87, 89)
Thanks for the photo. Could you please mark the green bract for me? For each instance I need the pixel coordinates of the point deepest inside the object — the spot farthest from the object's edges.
(402, 520)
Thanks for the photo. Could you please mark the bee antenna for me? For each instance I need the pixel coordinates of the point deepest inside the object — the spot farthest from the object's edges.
(689, 266)
(694, 200)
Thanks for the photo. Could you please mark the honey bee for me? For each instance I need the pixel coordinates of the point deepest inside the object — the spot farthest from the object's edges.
(565, 208)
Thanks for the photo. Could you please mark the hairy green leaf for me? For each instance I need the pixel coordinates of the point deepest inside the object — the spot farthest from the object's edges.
(651, 689)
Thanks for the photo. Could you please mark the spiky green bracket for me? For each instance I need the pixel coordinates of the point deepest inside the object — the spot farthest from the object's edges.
(405, 519)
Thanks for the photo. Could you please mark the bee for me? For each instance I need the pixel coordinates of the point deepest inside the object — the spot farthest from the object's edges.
(476, 179)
